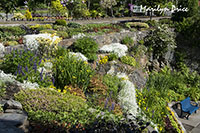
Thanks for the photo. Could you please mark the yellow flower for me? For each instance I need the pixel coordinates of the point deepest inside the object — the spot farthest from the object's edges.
(69, 88)
(59, 90)
(85, 62)
(64, 91)
(65, 87)
(88, 70)
(74, 93)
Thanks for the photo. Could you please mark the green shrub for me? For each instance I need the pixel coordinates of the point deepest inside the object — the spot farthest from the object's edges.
(189, 29)
(112, 57)
(152, 23)
(128, 41)
(73, 25)
(47, 106)
(86, 46)
(70, 71)
(160, 40)
(139, 51)
(2, 90)
(61, 22)
(13, 30)
(41, 27)
(59, 28)
(136, 25)
(128, 60)
(113, 84)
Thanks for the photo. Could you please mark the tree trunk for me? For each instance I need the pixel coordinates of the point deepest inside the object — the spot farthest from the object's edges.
(89, 4)
(151, 13)
(111, 9)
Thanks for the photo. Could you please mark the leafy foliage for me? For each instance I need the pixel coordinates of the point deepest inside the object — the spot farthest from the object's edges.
(46, 105)
(160, 40)
(128, 60)
(86, 46)
(61, 22)
(68, 70)
(25, 64)
(113, 84)
(128, 41)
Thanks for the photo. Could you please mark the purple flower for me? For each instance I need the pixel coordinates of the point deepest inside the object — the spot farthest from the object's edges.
(23, 73)
(113, 106)
(35, 67)
(16, 73)
(41, 74)
(40, 61)
(26, 68)
(131, 7)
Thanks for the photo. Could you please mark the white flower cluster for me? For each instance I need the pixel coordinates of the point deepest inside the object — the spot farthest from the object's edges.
(28, 85)
(79, 56)
(6, 77)
(126, 96)
(80, 35)
(117, 48)
(2, 49)
(9, 78)
(31, 40)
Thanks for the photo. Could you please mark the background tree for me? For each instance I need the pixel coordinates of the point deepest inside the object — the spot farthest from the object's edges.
(108, 4)
(8, 6)
(57, 8)
(192, 5)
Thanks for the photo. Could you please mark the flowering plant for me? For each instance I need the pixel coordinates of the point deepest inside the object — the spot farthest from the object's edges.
(69, 70)
(47, 47)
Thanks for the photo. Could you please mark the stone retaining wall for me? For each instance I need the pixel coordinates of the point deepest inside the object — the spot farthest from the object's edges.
(100, 39)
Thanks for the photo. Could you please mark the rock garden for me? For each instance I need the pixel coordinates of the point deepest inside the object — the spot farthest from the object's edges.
(65, 77)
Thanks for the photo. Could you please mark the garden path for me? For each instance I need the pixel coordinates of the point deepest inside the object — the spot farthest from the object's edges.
(106, 20)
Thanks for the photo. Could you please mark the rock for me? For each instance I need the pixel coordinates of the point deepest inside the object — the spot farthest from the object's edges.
(2, 49)
(137, 77)
(13, 119)
(11, 104)
(13, 111)
(4, 128)
(2, 102)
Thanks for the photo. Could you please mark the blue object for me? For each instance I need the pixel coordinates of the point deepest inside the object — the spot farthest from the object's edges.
(187, 107)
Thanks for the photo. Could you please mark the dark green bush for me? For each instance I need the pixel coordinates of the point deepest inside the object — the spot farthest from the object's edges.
(86, 46)
(61, 22)
(73, 25)
(160, 40)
